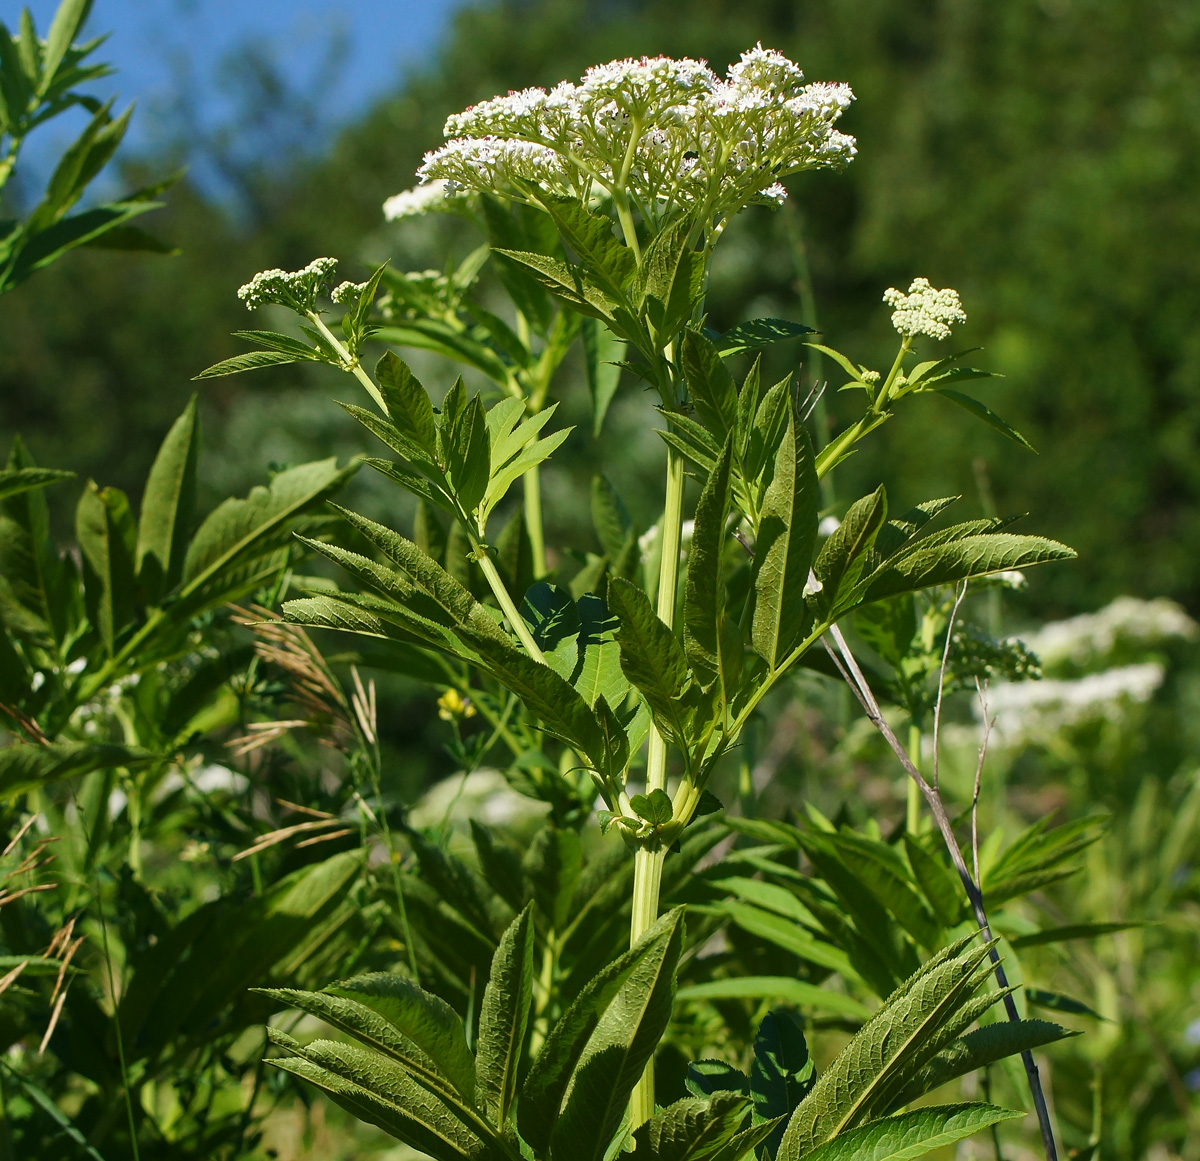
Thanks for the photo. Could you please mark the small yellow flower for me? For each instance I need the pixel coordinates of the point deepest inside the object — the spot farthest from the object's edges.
(452, 705)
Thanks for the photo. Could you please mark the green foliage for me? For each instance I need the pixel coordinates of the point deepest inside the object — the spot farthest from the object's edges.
(39, 80)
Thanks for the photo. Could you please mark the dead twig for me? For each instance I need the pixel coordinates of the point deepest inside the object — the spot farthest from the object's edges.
(849, 668)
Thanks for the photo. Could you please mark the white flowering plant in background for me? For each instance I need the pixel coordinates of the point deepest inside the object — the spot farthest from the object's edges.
(636, 676)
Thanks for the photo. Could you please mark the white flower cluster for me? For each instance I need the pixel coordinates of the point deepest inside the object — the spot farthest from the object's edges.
(1025, 711)
(924, 310)
(412, 203)
(347, 292)
(665, 133)
(1127, 622)
(296, 289)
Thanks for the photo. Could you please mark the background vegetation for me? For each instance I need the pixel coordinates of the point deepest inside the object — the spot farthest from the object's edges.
(1039, 156)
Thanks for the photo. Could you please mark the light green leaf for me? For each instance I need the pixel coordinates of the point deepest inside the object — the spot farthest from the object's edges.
(168, 504)
(551, 1073)
(782, 989)
(602, 352)
(105, 531)
(978, 1049)
(1072, 931)
(710, 385)
(14, 481)
(987, 415)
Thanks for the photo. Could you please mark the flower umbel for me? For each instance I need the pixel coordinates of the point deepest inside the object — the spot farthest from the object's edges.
(663, 133)
(297, 289)
(924, 310)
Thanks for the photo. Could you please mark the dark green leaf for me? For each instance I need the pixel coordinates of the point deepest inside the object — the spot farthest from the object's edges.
(783, 552)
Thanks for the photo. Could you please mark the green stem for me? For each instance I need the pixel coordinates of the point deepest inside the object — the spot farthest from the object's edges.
(349, 362)
(532, 483)
(515, 620)
(648, 862)
(913, 813)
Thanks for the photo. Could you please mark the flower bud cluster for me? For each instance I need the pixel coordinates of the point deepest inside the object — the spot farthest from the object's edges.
(665, 133)
(296, 289)
(924, 310)
(346, 293)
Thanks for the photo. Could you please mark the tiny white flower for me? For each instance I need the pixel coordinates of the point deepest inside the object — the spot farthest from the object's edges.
(828, 526)
(77, 666)
(924, 310)
(812, 586)
(37, 681)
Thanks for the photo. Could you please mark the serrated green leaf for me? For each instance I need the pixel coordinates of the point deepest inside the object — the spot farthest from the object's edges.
(651, 657)
(840, 561)
(710, 385)
(655, 808)
(619, 1047)
(694, 1128)
(987, 415)
(889, 1050)
(250, 361)
(408, 403)
(972, 556)
(503, 1020)
(239, 531)
(425, 1020)
(551, 1073)
(759, 333)
(910, 1135)
(978, 1049)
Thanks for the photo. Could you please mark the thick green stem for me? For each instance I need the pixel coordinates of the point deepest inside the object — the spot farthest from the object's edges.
(515, 620)
(532, 483)
(647, 864)
(913, 813)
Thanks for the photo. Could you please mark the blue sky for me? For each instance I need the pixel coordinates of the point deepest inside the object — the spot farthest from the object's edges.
(161, 47)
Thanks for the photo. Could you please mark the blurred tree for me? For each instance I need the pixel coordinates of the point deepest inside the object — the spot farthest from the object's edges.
(1041, 156)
